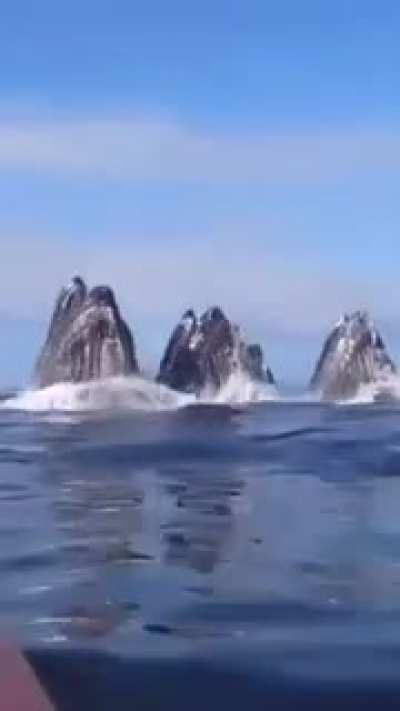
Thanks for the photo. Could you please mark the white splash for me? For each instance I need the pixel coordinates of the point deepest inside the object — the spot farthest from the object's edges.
(241, 389)
(386, 388)
(133, 393)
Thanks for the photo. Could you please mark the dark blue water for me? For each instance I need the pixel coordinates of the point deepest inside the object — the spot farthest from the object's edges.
(263, 535)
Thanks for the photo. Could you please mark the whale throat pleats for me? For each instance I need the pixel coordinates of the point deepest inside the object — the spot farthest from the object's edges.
(87, 338)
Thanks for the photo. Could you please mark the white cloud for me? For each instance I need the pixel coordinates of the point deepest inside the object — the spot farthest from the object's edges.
(138, 149)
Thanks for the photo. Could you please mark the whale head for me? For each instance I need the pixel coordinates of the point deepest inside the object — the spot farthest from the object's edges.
(102, 296)
(197, 352)
(87, 338)
(205, 353)
(353, 354)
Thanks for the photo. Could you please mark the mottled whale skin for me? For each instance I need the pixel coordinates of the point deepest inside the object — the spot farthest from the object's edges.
(87, 338)
(353, 354)
(203, 352)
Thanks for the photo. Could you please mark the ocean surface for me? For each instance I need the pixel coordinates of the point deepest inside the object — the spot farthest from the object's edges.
(258, 537)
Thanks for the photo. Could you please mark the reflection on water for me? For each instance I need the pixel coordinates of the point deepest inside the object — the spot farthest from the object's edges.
(145, 533)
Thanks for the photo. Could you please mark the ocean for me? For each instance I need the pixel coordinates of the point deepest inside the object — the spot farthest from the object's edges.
(196, 554)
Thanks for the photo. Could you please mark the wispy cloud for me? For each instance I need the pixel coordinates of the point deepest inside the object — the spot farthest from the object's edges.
(137, 149)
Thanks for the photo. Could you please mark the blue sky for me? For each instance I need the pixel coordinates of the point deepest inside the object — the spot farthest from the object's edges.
(187, 153)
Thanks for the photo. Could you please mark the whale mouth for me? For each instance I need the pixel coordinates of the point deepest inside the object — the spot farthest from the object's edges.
(203, 353)
(353, 355)
(87, 338)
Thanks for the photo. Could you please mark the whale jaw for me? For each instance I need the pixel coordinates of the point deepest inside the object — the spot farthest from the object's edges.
(353, 354)
(252, 359)
(87, 338)
(206, 352)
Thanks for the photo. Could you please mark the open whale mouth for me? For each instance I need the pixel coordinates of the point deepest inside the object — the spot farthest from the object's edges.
(354, 354)
(87, 338)
(202, 353)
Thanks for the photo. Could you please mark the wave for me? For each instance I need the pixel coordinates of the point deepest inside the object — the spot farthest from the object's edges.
(133, 393)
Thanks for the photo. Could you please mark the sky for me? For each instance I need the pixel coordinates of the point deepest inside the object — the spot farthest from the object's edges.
(245, 154)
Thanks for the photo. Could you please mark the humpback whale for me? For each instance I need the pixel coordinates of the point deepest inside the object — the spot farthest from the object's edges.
(87, 338)
(204, 352)
(353, 354)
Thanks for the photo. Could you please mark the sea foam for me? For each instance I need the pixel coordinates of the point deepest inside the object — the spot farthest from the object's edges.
(387, 388)
(131, 392)
(134, 393)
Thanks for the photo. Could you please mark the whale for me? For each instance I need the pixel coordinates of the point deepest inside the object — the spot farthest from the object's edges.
(203, 352)
(353, 354)
(87, 338)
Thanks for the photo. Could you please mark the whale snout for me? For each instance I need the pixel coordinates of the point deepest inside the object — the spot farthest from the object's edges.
(212, 316)
(102, 296)
(77, 284)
